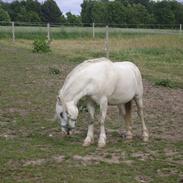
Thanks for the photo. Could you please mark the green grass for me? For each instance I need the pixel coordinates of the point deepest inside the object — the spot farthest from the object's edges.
(75, 32)
(29, 84)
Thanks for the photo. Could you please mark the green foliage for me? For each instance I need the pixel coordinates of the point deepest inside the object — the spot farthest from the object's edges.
(117, 13)
(51, 12)
(132, 12)
(4, 16)
(97, 16)
(165, 83)
(33, 11)
(137, 14)
(72, 19)
(97, 11)
(41, 46)
(86, 12)
(163, 13)
(33, 17)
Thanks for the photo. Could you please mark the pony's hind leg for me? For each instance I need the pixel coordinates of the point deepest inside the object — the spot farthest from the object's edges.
(90, 135)
(139, 103)
(103, 112)
(128, 120)
(122, 113)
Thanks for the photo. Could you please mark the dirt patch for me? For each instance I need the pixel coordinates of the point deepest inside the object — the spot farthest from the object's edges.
(163, 113)
(34, 162)
(38, 162)
(21, 112)
(90, 159)
(103, 156)
(143, 179)
(95, 159)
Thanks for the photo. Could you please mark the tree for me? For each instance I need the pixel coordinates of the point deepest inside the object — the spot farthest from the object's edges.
(21, 15)
(100, 12)
(177, 9)
(163, 13)
(33, 17)
(51, 12)
(72, 19)
(117, 13)
(142, 2)
(138, 14)
(4, 16)
(86, 11)
(14, 9)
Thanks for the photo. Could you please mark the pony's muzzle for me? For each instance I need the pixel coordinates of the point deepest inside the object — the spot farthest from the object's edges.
(67, 131)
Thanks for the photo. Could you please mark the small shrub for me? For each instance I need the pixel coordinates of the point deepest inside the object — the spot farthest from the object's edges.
(54, 71)
(165, 83)
(41, 46)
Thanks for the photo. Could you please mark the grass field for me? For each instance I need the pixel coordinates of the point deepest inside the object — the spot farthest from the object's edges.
(32, 148)
(77, 32)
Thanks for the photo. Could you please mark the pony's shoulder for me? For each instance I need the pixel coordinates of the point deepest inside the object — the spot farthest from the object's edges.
(102, 59)
(89, 62)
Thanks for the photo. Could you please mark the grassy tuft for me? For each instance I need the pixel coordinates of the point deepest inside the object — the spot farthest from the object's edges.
(165, 83)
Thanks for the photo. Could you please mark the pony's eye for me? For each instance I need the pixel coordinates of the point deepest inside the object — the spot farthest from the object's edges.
(61, 115)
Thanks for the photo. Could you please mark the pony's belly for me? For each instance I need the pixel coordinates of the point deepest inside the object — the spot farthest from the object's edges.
(119, 97)
(116, 101)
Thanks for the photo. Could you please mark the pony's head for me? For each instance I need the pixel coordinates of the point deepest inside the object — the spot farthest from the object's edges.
(67, 115)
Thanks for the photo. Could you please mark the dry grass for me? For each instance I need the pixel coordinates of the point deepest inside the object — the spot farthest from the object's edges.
(158, 56)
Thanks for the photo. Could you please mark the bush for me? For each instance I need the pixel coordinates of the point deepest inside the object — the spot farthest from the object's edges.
(41, 46)
(165, 83)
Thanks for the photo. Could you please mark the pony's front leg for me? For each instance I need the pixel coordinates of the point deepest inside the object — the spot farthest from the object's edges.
(103, 111)
(90, 135)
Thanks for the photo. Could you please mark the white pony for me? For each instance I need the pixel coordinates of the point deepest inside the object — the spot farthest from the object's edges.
(104, 83)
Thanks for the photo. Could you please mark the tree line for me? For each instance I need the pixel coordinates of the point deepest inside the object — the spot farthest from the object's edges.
(34, 11)
(132, 12)
(99, 11)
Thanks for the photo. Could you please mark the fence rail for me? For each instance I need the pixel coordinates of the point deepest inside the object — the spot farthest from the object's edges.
(13, 29)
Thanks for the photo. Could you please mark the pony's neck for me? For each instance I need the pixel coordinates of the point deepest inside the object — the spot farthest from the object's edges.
(72, 97)
(73, 90)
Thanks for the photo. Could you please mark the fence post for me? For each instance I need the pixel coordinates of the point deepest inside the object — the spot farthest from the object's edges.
(48, 29)
(107, 41)
(180, 27)
(93, 25)
(13, 31)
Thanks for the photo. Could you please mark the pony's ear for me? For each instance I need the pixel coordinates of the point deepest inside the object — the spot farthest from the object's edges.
(59, 101)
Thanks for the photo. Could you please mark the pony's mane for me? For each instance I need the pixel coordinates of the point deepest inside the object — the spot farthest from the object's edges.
(85, 64)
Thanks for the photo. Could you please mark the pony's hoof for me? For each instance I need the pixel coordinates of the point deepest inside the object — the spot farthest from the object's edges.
(129, 137)
(146, 139)
(101, 144)
(88, 142)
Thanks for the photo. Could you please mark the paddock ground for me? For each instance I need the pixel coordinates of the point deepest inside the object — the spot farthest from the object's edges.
(32, 148)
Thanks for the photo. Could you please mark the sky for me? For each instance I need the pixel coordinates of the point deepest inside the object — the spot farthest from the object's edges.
(66, 5)
(70, 5)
